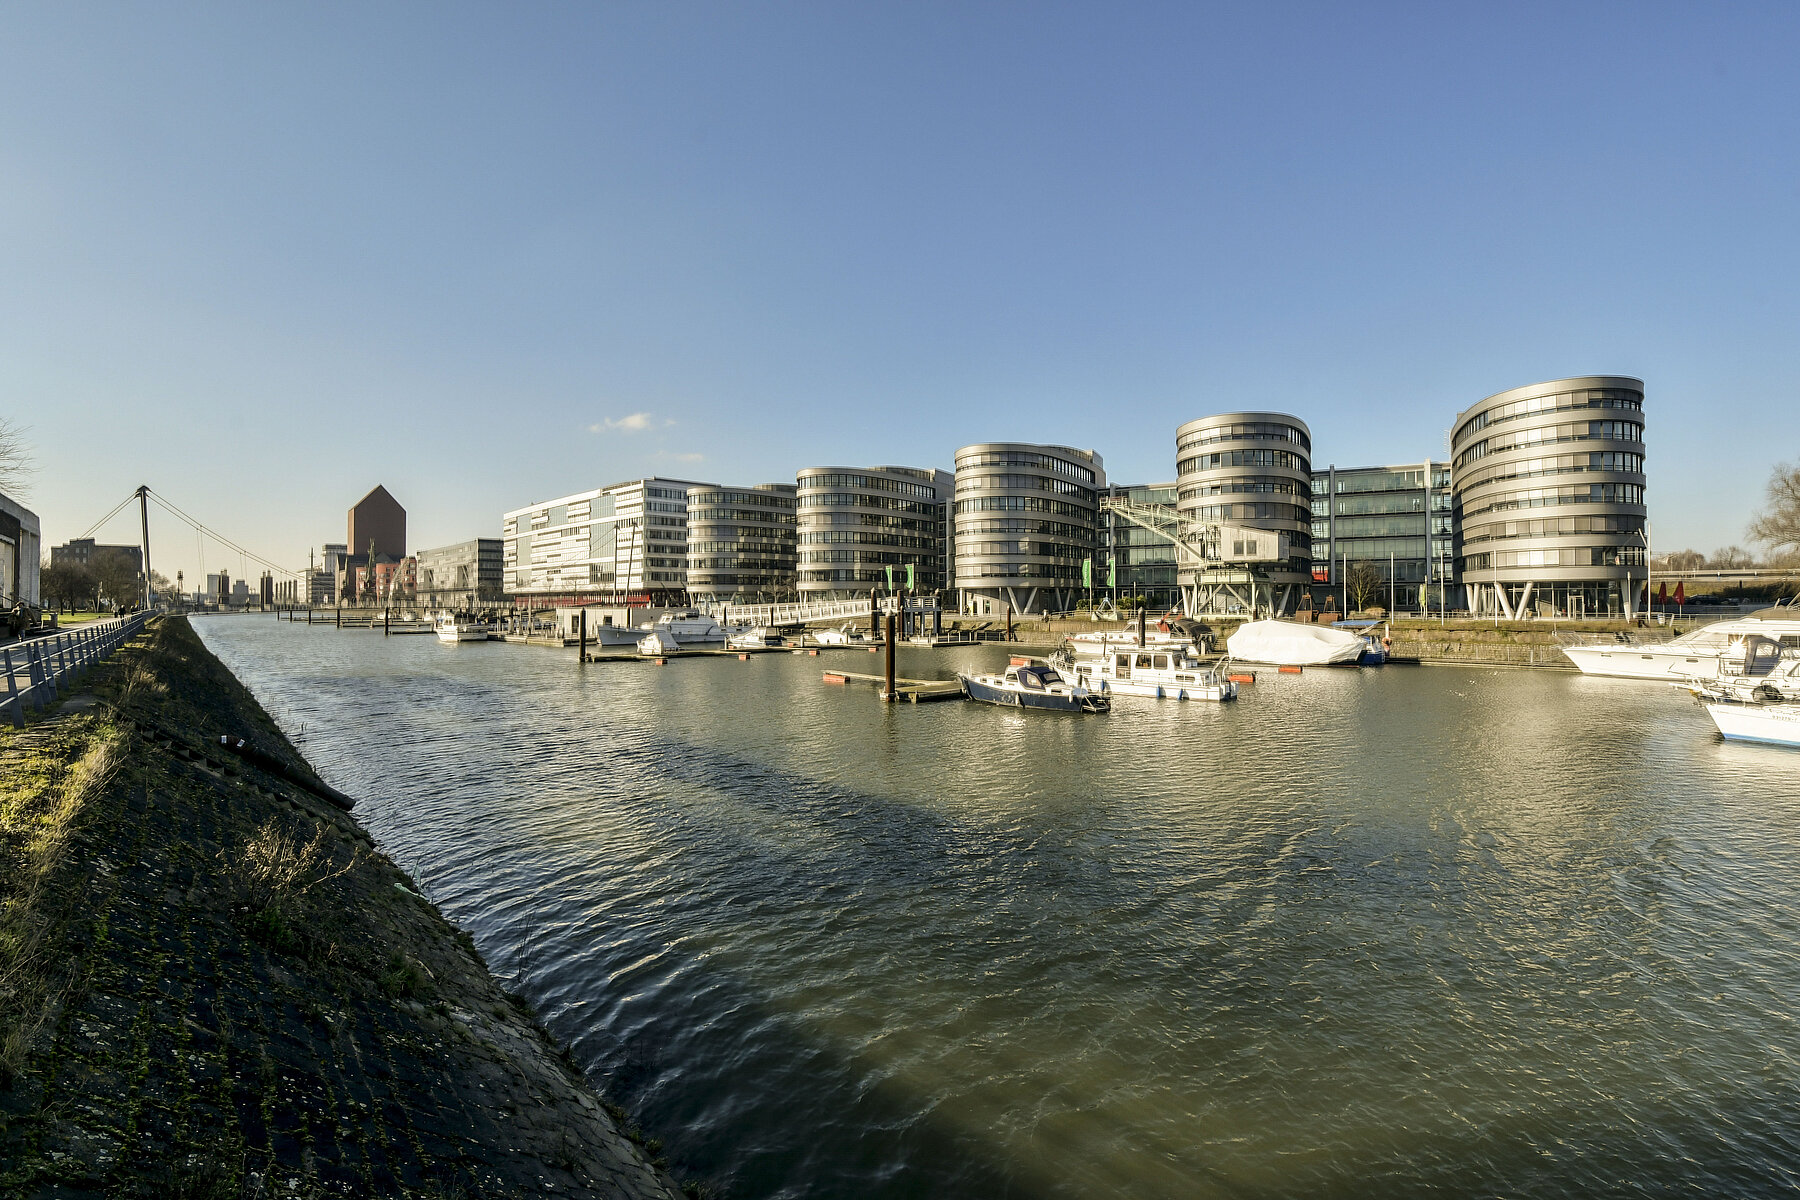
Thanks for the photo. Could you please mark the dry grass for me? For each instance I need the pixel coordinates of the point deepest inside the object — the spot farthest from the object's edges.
(278, 868)
(48, 785)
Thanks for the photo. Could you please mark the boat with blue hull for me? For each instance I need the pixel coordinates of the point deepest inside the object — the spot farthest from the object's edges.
(1032, 685)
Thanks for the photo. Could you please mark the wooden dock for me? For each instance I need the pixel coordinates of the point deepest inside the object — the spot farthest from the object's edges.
(913, 691)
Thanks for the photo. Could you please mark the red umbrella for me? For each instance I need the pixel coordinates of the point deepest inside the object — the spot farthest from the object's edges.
(1662, 593)
(1680, 592)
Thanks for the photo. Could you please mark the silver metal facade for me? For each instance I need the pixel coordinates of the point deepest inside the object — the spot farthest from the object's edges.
(1027, 519)
(1252, 469)
(1549, 483)
(742, 545)
(859, 526)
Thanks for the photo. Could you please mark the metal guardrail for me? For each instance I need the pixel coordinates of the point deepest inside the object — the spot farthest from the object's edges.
(48, 665)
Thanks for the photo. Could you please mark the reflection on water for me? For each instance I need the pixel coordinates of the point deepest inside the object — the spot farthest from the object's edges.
(1401, 931)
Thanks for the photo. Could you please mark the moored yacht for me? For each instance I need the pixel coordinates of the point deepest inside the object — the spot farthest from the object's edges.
(1697, 652)
(1032, 685)
(458, 627)
(1162, 671)
(686, 626)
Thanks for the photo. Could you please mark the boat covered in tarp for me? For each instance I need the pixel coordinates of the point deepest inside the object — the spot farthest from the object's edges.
(1291, 644)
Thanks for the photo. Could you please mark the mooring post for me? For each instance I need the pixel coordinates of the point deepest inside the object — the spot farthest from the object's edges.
(581, 655)
(874, 615)
(889, 694)
(385, 629)
(340, 614)
(1009, 632)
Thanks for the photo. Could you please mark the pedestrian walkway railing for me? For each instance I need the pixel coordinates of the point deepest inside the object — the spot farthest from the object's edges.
(39, 670)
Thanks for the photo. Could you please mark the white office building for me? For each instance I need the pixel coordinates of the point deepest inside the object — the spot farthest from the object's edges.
(622, 544)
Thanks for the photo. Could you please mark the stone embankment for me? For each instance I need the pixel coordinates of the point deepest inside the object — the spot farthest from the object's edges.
(213, 985)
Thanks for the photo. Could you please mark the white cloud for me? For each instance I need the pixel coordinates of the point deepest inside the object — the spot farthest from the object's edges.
(635, 423)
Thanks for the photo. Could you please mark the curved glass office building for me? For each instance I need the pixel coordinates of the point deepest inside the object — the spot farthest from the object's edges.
(1549, 483)
(860, 527)
(742, 544)
(1247, 471)
(1027, 521)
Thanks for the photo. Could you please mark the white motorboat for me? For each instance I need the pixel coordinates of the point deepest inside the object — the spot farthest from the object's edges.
(759, 638)
(1032, 685)
(686, 626)
(658, 641)
(1698, 652)
(1291, 644)
(1160, 671)
(1764, 672)
(459, 627)
(1776, 724)
(844, 635)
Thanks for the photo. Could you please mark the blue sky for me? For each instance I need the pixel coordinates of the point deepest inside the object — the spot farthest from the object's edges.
(263, 257)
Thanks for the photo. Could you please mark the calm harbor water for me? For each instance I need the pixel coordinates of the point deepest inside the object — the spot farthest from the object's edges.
(1401, 931)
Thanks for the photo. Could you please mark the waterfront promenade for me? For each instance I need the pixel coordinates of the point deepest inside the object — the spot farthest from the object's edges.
(215, 986)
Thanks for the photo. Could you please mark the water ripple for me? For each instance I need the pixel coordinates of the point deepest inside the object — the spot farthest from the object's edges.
(1400, 932)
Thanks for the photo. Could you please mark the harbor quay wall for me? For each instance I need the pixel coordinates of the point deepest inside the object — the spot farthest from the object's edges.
(1477, 642)
(216, 986)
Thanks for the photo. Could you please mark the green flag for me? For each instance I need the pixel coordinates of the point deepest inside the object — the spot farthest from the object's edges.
(1087, 572)
(909, 577)
(1112, 574)
(890, 571)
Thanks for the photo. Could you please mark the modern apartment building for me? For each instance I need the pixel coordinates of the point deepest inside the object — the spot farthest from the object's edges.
(1247, 471)
(743, 543)
(1026, 526)
(621, 544)
(1549, 483)
(1399, 522)
(872, 527)
(467, 575)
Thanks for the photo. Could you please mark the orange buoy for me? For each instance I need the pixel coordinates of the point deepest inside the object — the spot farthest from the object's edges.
(1290, 670)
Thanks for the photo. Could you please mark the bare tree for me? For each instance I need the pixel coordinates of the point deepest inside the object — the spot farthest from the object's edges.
(1730, 558)
(1777, 526)
(116, 575)
(65, 585)
(1364, 584)
(16, 463)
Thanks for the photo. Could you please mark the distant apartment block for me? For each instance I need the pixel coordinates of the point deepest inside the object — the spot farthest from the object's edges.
(622, 544)
(85, 552)
(466, 575)
(742, 545)
(872, 527)
(1026, 526)
(1398, 521)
